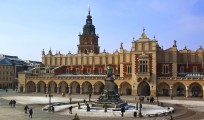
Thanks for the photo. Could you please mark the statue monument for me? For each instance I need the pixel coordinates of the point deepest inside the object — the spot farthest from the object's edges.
(109, 96)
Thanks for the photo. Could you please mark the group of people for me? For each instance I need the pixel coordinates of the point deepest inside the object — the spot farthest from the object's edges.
(149, 99)
(26, 108)
(12, 103)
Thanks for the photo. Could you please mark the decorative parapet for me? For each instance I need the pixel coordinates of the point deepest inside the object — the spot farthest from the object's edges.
(180, 78)
(70, 77)
(143, 76)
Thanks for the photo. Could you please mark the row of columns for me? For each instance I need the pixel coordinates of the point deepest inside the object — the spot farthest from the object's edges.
(58, 89)
(23, 89)
(187, 91)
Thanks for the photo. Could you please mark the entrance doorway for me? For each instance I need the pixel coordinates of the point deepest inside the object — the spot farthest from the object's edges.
(143, 89)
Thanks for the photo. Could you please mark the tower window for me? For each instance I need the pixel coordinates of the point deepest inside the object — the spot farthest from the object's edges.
(85, 51)
(129, 69)
(165, 69)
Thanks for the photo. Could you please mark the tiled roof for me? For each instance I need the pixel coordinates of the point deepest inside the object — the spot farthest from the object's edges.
(5, 61)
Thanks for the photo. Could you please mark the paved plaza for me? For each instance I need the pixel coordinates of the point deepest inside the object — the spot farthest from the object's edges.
(185, 109)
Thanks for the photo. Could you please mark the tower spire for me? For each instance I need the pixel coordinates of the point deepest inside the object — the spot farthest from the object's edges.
(89, 11)
(143, 30)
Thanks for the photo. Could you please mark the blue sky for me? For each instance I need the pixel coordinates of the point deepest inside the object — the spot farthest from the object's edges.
(28, 26)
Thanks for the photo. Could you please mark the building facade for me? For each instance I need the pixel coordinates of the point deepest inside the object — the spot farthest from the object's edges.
(9, 68)
(147, 69)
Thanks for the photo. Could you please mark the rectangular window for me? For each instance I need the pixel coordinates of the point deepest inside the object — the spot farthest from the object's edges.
(143, 66)
(165, 69)
(182, 69)
(77, 71)
(67, 70)
(129, 69)
(88, 71)
(99, 70)
(194, 69)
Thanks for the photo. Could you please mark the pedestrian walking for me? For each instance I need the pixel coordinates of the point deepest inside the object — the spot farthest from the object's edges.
(11, 102)
(53, 108)
(26, 109)
(30, 112)
(89, 97)
(70, 110)
(122, 111)
(14, 103)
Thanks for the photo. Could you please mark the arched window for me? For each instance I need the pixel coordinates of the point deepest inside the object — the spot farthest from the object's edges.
(85, 51)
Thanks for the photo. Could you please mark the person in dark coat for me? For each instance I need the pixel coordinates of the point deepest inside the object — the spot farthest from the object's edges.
(11, 102)
(30, 112)
(14, 103)
(122, 111)
(26, 109)
(70, 109)
(53, 109)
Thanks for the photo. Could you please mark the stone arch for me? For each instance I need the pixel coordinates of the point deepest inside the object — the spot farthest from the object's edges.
(143, 89)
(52, 87)
(30, 87)
(163, 89)
(63, 87)
(86, 87)
(41, 86)
(125, 88)
(195, 90)
(178, 89)
(139, 79)
(145, 79)
(75, 87)
(98, 87)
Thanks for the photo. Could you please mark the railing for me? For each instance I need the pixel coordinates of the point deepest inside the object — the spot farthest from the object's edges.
(68, 76)
(180, 78)
(190, 74)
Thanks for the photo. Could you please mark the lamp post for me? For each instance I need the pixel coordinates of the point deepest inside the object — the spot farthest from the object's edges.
(140, 107)
(157, 95)
(70, 98)
(49, 108)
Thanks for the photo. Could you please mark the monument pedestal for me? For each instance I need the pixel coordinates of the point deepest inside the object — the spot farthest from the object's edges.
(109, 97)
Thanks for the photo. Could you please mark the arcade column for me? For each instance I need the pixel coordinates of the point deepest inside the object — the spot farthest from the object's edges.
(119, 90)
(58, 89)
(187, 91)
(36, 88)
(47, 89)
(81, 89)
(69, 89)
(203, 92)
(93, 89)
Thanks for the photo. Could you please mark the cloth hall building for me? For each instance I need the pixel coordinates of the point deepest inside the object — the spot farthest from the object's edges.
(147, 69)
